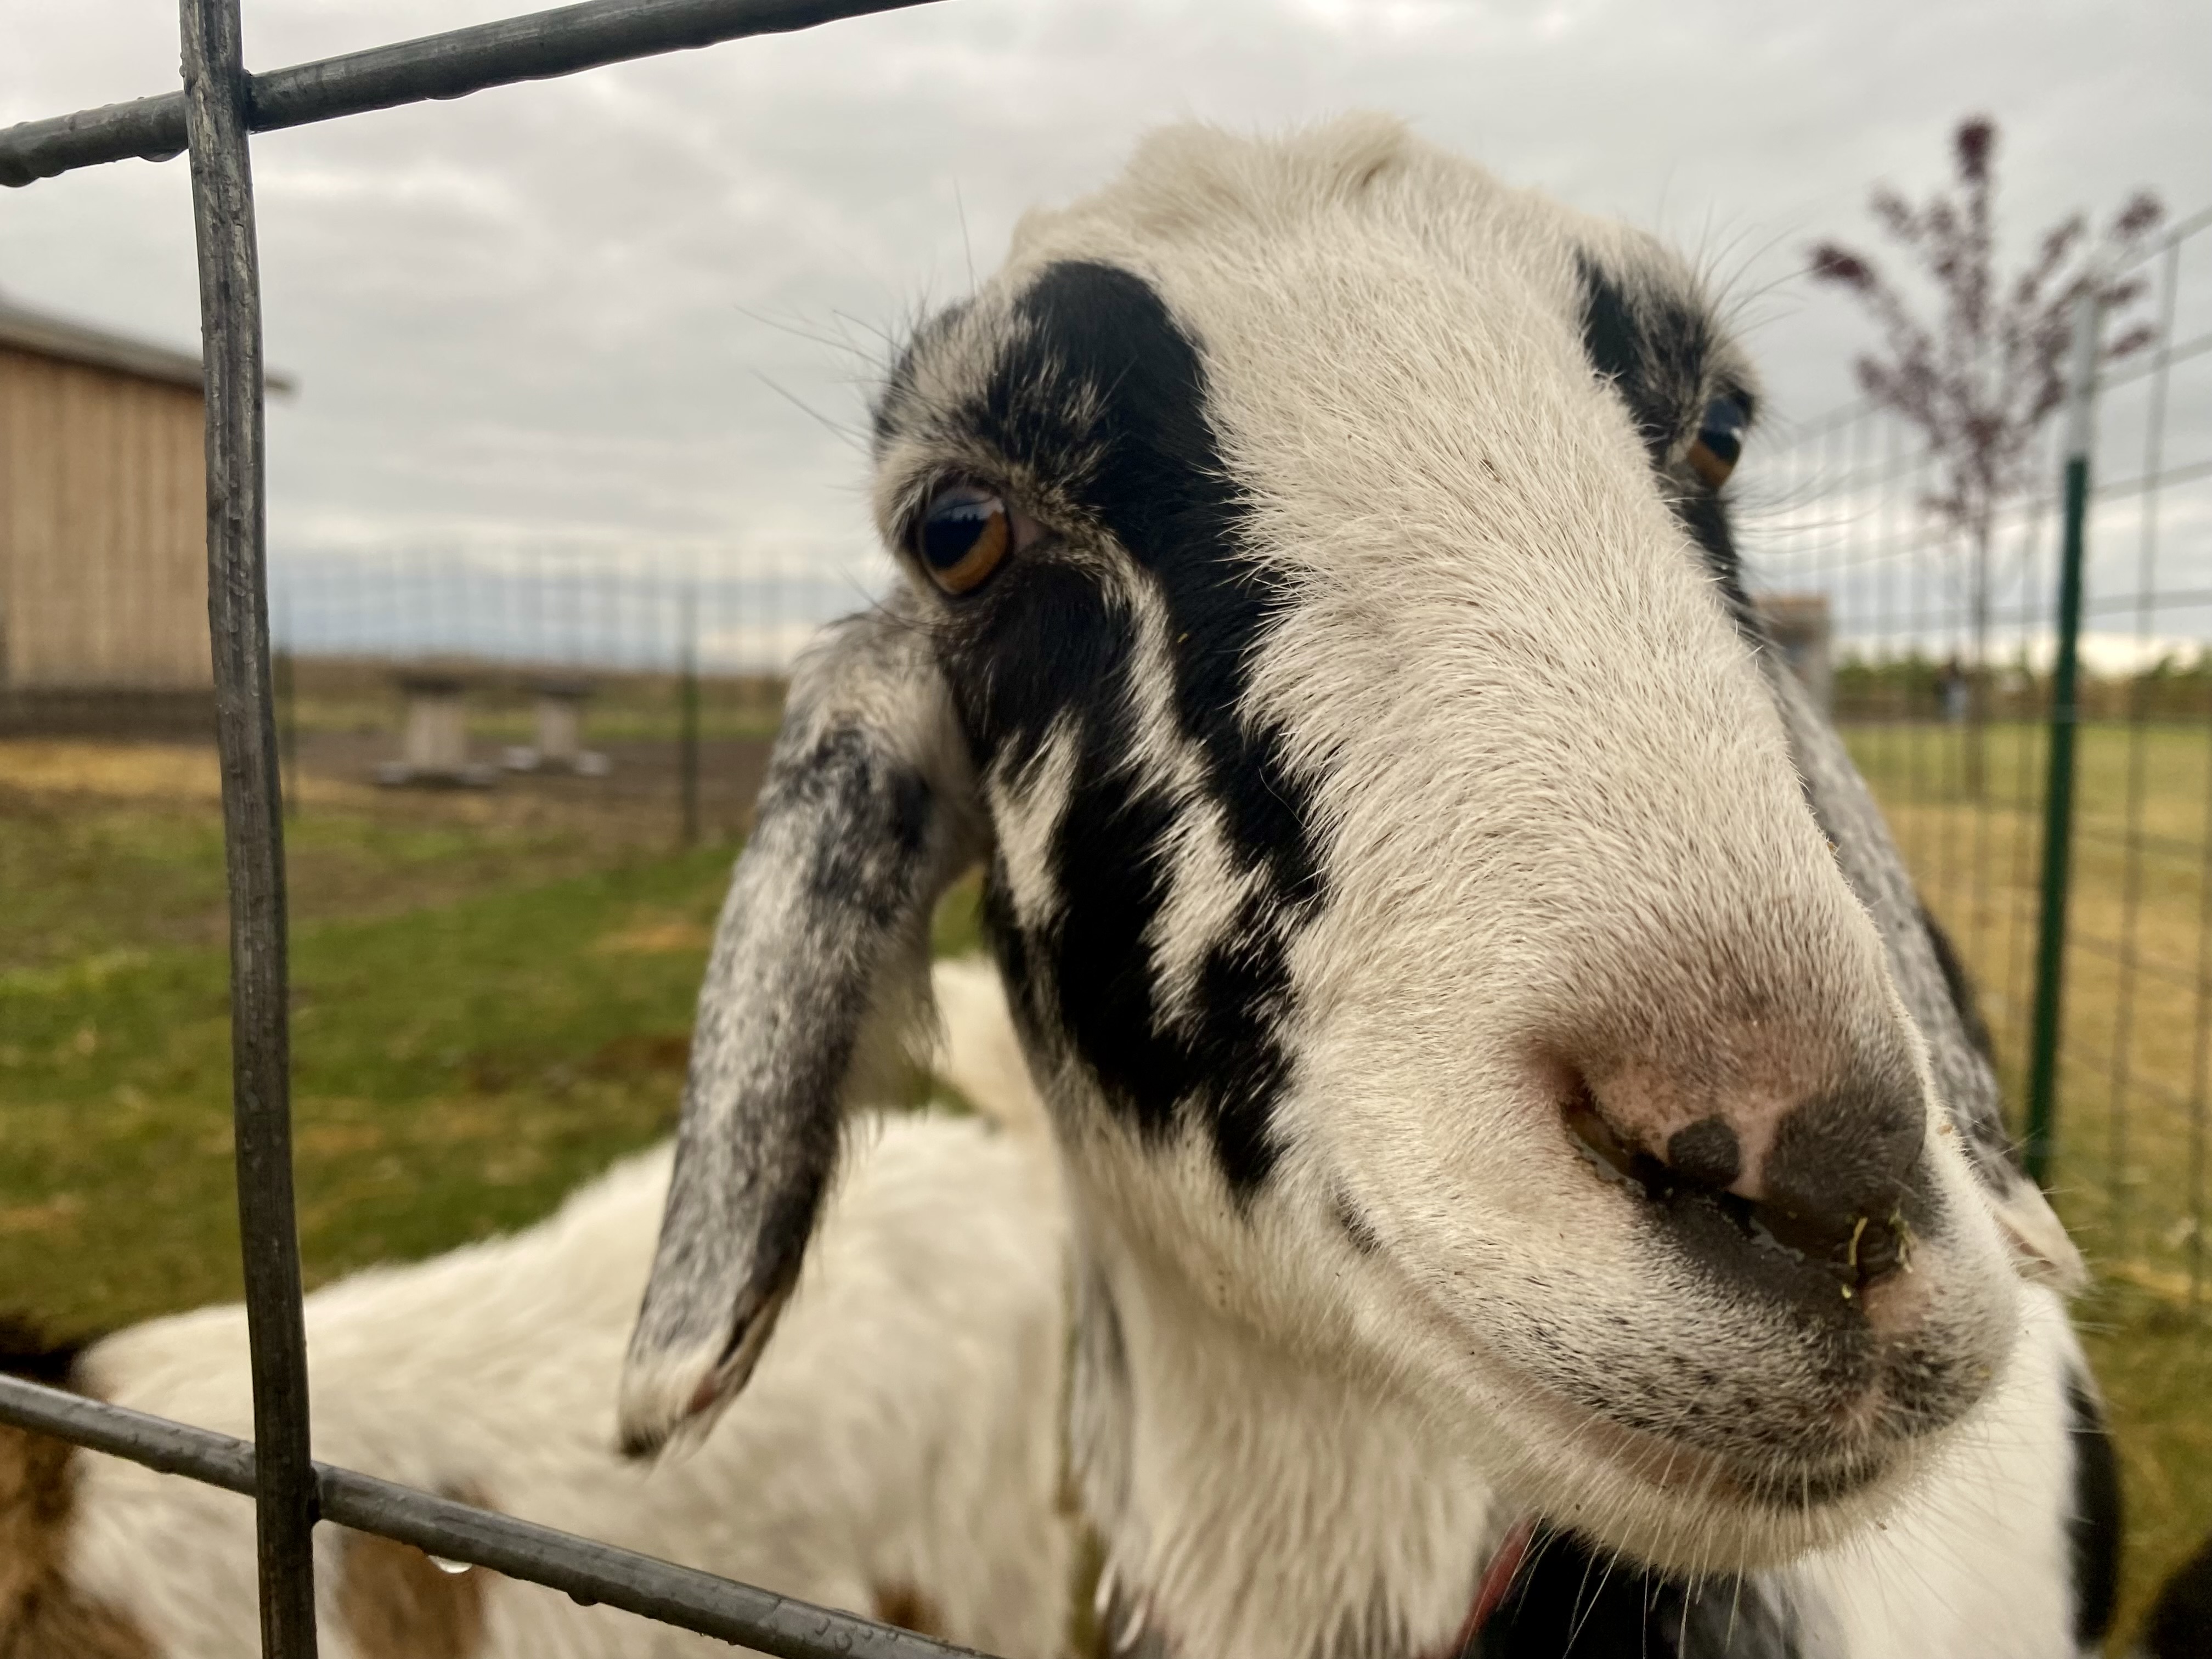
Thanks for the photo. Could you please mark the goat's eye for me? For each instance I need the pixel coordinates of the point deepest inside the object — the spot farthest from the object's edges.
(1719, 440)
(965, 533)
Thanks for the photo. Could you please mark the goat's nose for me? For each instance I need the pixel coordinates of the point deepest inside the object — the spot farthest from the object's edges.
(1835, 1179)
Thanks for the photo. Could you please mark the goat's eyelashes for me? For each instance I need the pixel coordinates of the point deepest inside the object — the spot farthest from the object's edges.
(965, 533)
(1719, 440)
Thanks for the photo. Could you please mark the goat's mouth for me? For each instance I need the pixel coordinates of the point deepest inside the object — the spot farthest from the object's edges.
(1673, 1503)
(1791, 1483)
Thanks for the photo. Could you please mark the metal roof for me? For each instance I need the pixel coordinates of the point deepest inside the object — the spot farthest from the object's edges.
(48, 335)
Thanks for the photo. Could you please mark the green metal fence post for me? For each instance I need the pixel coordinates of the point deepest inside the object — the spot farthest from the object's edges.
(2058, 792)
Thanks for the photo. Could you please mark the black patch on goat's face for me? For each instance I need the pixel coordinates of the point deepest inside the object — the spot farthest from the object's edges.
(1097, 396)
(1657, 348)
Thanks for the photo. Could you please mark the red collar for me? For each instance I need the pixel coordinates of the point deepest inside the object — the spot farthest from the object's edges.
(1497, 1580)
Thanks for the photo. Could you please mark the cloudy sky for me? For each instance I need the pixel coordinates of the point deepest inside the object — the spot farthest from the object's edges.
(642, 305)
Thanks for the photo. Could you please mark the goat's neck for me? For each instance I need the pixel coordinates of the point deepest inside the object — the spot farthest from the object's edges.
(1257, 1500)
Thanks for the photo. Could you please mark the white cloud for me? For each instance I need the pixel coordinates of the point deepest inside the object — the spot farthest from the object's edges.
(597, 310)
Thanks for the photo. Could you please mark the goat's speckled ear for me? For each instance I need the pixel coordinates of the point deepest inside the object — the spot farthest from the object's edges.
(820, 964)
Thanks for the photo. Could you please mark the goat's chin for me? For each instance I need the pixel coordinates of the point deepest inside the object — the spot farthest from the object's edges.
(1754, 1435)
(1679, 1507)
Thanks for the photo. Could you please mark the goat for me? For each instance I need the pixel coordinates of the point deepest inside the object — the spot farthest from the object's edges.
(1505, 1084)
(897, 1457)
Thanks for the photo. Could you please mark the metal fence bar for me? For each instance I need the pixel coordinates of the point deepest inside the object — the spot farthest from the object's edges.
(253, 825)
(2118, 1141)
(2058, 798)
(588, 1570)
(2129, 1143)
(450, 65)
(212, 116)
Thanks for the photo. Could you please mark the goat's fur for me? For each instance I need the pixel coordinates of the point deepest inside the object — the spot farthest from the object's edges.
(896, 1455)
(1392, 816)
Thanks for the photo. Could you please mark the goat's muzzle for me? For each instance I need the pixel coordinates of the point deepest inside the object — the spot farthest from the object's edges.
(1815, 1200)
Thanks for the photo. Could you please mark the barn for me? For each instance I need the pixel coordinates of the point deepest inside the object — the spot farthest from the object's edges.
(103, 534)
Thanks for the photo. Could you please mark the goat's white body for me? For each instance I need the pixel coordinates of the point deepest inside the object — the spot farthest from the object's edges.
(900, 1437)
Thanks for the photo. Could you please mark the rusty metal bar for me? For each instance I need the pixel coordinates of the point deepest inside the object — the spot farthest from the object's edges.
(583, 1568)
(214, 98)
(450, 65)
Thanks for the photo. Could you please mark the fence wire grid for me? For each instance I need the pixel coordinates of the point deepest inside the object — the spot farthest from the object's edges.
(220, 105)
(1948, 707)
(1947, 704)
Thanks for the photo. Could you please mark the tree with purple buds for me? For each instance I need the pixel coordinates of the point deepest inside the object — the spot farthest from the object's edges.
(1981, 376)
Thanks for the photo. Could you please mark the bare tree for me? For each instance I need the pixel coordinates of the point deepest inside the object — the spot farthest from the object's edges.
(1982, 375)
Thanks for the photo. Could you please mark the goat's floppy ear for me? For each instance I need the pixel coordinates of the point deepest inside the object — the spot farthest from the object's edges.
(820, 962)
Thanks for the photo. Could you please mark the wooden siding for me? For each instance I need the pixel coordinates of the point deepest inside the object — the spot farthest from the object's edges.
(103, 530)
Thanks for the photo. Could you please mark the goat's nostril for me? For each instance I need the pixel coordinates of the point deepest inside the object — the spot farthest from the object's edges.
(1835, 1200)
(1595, 1138)
(1706, 1153)
(1703, 1155)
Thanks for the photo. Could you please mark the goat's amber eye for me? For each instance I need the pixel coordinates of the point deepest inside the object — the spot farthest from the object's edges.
(1719, 441)
(965, 533)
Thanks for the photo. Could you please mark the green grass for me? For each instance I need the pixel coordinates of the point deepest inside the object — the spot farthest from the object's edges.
(456, 1070)
(485, 1013)
(90, 885)
(489, 1009)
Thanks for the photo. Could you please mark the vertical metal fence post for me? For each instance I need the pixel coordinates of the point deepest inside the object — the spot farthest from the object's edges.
(215, 92)
(2065, 716)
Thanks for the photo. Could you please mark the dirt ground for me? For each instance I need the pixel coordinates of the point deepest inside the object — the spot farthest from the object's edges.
(641, 793)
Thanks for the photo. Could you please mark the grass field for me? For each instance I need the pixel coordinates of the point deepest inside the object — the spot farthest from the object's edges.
(484, 1014)
(492, 1002)
(2130, 1170)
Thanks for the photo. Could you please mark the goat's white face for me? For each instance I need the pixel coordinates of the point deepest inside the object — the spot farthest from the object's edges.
(1394, 849)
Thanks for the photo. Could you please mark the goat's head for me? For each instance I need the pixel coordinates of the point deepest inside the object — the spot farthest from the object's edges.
(1321, 618)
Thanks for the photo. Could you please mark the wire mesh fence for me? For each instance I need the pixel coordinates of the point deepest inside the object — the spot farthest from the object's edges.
(220, 105)
(646, 683)
(1942, 677)
(641, 684)
(1947, 700)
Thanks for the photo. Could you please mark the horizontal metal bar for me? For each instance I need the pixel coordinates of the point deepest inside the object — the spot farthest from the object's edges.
(2164, 478)
(200, 1455)
(585, 1570)
(2166, 239)
(2151, 362)
(450, 65)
